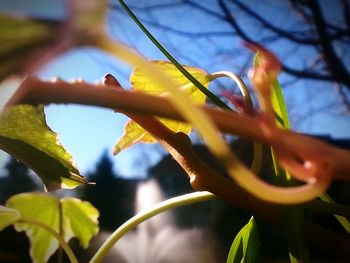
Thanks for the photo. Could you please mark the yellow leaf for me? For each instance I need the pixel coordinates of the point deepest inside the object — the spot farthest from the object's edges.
(133, 133)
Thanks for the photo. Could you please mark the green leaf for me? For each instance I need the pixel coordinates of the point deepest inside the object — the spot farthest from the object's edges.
(235, 254)
(279, 104)
(298, 249)
(25, 135)
(246, 245)
(79, 219)
(343, 221)
(280, 108)
(42, 208)
(133, 133)
(8, 216)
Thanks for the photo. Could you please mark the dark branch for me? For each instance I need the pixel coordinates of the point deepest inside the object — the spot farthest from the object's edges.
(178, 31)
(205, 10)
(299, 8)
(186, 33)
(344, 97)
(148, 7)
(334, 64)
(324, 32)
(230, 18)
(304, 73)
(346, 11)
(281, 33)
(336, 67)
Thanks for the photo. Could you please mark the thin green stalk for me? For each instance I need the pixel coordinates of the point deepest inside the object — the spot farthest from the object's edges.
(195, 82)
(341, 219)
(139, 218)
(282, 111)
(297, 245)
(329, 207)
(59, 238)
(257, 147)
(242, 87)
(298, 249)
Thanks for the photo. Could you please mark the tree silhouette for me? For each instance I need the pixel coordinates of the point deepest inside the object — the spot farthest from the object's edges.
(18, 179)
(112, 195)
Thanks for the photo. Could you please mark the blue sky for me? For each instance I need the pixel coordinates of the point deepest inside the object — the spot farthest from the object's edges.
(87, 131)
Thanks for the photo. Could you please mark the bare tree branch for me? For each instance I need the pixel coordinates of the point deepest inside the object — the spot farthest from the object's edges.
(148, 7)
(317, 33)
(186, 33)
(207, 11)
(344, 97)
(346, 12)
(281, 33)
(334, 64)
(305, 73)
(340, 75)
(230, 18)
(181, 32)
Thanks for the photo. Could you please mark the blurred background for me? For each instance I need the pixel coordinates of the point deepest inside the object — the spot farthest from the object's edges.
(311, 38)
(312, 43)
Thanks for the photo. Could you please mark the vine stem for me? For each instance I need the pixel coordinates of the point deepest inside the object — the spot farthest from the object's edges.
(59, 238)
(242, 87)
(211, 135)
(305, 148)
(182, 105)
(257, 147)
(139, 218)
(35, 91)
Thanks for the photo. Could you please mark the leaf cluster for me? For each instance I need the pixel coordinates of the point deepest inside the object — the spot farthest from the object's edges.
(155, 84)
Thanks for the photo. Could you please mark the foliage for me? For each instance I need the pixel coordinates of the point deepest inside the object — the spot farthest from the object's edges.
(52, 221)
(25, 135)
(68, 217)
(139, 81)
(245, 246)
